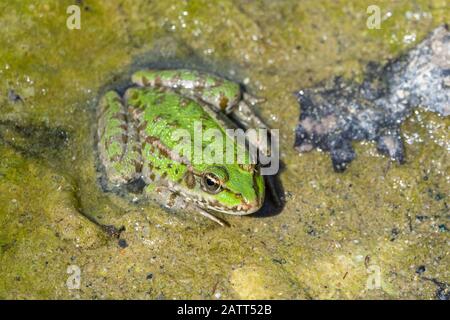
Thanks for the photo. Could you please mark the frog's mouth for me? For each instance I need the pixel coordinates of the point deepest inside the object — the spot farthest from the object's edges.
(239, 210)
(209, 211)
(245, 207)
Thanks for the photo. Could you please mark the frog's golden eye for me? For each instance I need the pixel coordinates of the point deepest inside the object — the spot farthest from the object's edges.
(211, 183)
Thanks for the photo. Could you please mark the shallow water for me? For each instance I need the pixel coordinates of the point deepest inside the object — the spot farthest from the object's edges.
(379, 230)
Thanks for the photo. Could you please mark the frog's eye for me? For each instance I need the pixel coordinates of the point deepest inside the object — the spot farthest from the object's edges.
(211, 183)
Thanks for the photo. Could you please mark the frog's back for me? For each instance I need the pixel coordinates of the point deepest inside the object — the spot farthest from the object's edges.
(162, 111)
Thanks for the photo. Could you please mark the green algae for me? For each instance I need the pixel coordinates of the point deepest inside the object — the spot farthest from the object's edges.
(334, 228)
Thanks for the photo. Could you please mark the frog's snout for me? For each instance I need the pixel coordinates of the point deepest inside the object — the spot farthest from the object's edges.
(253, 199)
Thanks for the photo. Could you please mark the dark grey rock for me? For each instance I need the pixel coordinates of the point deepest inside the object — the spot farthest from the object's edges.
(339, 111)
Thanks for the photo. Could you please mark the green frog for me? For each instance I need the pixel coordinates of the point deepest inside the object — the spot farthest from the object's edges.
(137, 144)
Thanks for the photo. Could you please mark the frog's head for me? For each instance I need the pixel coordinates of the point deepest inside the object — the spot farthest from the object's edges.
(231, 189)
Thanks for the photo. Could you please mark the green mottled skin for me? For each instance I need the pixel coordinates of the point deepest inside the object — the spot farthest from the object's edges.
(137, 141)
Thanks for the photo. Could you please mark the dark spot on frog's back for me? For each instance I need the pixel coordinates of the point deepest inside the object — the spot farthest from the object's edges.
(138, 166)
(139, 104)
(116, 100)
(165, 153)
(174, 124)
(172, 198)
(134, 95)
(124, 139)
(151, 139)
(124, 127)
(142, 126)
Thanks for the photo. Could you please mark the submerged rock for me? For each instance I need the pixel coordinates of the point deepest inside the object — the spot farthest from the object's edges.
(340, 111)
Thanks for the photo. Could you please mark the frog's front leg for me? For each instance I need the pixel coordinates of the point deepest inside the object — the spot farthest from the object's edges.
(223, 95)
(118, 144)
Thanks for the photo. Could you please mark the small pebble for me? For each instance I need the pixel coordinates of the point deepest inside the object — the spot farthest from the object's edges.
(420, 270)
(123, 243)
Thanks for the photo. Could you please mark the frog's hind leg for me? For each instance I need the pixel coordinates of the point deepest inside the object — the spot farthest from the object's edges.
(221, 94)
(245, 114)
(118, 144)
